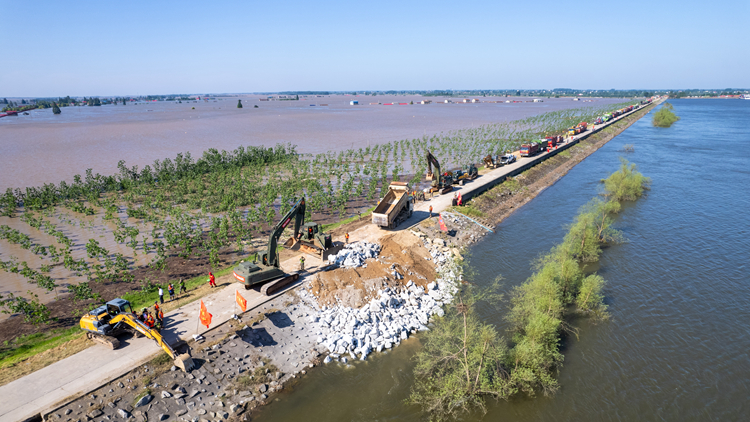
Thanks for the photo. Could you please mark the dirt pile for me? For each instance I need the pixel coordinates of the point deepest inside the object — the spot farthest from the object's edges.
(402, 258)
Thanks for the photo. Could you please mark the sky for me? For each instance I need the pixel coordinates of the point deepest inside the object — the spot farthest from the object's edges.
(85, 48)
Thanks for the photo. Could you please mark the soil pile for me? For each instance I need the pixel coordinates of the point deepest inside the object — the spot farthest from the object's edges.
(402, 258)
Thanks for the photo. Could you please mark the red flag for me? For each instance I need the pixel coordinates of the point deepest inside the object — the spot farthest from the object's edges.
(459, 198)
(205, 317)
(442, 224)
(240, 300)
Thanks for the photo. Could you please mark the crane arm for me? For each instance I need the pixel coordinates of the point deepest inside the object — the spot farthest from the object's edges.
(432, 161)
(143, 329)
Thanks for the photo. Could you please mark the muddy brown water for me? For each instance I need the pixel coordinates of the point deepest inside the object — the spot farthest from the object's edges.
(42, 147)
(676, 347)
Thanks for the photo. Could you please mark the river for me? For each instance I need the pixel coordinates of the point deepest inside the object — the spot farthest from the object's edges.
(676, 347)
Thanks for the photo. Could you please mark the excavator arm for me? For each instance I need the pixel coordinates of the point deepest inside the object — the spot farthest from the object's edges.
(184, 362)
(270, 257)
(432, 161)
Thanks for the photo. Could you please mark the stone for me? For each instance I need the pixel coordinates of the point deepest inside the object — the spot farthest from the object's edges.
(223, 415)
(95, 413)
(124, 413)
(262, 388)
(180, 412)
(144, 400)
(161, 417)
(201, 411)
(166, 394)
(180, 401)
(67, 412)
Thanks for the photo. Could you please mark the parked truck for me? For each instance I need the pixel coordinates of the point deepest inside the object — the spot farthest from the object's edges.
(527, 150)
(395, 208)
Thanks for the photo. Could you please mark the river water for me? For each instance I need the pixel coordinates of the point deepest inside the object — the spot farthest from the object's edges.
(676, 347)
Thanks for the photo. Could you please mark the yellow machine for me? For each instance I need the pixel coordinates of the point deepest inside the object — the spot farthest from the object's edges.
(104, 323)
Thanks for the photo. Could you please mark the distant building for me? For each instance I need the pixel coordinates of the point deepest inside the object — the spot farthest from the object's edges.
(474, 100)
(537, 100)
(425, 102)
(354, 102)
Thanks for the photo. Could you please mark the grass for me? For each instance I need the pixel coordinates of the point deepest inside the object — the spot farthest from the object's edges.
(468, 210)
(333, 226)
(258, 376)
(30, 353)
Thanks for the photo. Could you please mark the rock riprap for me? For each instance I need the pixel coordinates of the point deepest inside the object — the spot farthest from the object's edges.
(390, 317)
(354, 254)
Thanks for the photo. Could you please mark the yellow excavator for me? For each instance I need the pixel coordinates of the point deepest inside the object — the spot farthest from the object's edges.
(104, 323)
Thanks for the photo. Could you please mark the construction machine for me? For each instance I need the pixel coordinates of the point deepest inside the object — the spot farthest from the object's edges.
(395, 208)
(266, 269)
(106, 322)
(440, 182)
(490, 163)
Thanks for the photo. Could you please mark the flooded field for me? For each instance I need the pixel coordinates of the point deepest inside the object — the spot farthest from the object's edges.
(44, 148)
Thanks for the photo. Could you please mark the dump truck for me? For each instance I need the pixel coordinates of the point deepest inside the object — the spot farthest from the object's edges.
(395, 208)
(115, 317)
(527, 150)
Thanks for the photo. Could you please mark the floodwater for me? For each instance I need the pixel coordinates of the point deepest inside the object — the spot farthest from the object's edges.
(44, 148)
(676, 347)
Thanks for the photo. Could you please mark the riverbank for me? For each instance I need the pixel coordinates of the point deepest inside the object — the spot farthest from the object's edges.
(371, 233)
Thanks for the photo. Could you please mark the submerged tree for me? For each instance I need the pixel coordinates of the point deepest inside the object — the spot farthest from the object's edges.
(55, 109)
(239, 103)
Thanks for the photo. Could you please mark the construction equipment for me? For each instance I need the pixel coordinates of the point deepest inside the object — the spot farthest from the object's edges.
(266, 269)
(104, 323)
(440, 183)
(527, 150)
(311, 239)
(395, 208)
(490, 163)
(470, 171)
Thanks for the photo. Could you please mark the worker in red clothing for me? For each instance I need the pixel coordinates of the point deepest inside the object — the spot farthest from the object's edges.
(150, 321)
(347, 238)
(211, 280)
(430, 210)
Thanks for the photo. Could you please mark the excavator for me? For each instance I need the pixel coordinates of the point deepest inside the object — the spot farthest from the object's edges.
(104, 323)
(266, 269)
(440, 182)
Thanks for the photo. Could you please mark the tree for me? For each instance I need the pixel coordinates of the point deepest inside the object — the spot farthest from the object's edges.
(239, 103)
(33, 310)
(55, 109)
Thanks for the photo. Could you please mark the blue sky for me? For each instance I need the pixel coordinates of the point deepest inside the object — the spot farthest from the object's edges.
(129, 48)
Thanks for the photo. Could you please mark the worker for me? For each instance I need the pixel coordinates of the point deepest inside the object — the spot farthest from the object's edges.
(301, 263)
(211, 279)
(430, 210)
(150, 321)
(160, 316)
(161, 295)
(170, 289)
(346, 235)
(142, 315)
(156, 307)
(182, 286)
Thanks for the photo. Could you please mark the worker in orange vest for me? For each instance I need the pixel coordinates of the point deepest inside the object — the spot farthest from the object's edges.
(150, 320)
(430, 210)
(347, 237)
(211, 280)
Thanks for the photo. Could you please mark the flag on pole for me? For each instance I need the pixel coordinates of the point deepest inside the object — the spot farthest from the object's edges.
(459, 198)
(442, 224)
(205, 317)
(240, 300)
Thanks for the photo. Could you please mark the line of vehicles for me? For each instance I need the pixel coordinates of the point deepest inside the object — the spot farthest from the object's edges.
(104, 323)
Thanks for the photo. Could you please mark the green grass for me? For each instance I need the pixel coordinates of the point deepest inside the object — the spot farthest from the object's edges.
(468, 210)
(332, 226)
(24, 347)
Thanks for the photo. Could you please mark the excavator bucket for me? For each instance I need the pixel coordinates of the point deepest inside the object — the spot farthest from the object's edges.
(184, 362)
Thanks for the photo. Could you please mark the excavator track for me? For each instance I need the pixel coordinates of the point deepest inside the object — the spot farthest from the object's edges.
(109, 341)
(272, 287)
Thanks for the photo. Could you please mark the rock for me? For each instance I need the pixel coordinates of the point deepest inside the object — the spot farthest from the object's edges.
(223, 415)
(217, 371)
(165, 394)
(180, 412)
(124, 413)
(201, 411)
(67, 412)
(161, 417)
(327, 359)
(95, 413)
(180, 401)
(180, 389)
(173, 368)
(120, 385)
(262, 388)
(144, 400)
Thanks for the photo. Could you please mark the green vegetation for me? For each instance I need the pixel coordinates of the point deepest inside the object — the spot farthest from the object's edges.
(665, 117)
(55, 109)
(23, 347)
(464, 361)
(239, 103)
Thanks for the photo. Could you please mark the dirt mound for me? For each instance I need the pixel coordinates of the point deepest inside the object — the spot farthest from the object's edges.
(402, 252)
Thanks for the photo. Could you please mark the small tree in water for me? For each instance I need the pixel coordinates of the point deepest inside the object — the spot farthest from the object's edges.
(239, 103)
(55, 109)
